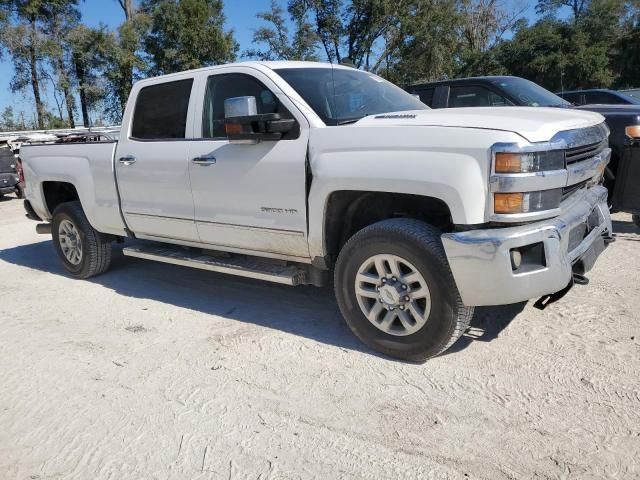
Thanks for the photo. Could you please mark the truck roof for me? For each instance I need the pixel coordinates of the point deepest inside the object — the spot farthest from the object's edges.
(272, 65)
(487, 78)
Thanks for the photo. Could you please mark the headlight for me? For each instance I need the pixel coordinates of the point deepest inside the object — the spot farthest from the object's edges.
(633, 131)
(527, 202)
(529, 162)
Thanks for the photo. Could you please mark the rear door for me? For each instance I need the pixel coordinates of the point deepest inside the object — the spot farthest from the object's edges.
(152, 163)
(249, 197)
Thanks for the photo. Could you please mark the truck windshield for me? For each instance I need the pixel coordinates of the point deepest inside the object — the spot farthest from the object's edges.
(340, 96)
(529, 94)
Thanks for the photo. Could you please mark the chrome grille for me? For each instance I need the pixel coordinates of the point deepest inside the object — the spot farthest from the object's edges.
(576, 154)
(567, 191)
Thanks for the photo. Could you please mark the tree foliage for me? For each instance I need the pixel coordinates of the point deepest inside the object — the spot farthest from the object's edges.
(186, 34)
(62, 64)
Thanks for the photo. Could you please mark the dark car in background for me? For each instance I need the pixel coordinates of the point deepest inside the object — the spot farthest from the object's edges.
(9, 178)
(622, 177)
(599, 96)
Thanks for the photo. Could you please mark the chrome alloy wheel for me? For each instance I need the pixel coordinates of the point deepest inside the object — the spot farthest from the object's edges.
(70, 242)
(393, 295)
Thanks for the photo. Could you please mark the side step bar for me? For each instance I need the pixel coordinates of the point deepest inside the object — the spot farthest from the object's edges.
(241, 266)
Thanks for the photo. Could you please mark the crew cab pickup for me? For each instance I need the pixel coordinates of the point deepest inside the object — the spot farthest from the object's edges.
(292, 171)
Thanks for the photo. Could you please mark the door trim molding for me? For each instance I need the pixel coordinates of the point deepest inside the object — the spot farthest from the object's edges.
(295, 233)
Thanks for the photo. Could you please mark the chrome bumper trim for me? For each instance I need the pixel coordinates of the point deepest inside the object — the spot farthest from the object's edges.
(480, 259)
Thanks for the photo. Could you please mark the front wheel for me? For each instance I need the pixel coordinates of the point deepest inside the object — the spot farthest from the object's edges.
(84, 252)
(396, 292)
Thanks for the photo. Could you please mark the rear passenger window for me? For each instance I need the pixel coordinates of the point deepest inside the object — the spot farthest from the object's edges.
(603, 98)
(161, 111)
(475, 96)
(426, 96)
(573, 98)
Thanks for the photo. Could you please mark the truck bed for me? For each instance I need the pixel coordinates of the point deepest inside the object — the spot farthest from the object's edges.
(87, 165)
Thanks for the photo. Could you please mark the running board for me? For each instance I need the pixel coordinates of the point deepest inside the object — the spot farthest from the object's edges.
(242, 266)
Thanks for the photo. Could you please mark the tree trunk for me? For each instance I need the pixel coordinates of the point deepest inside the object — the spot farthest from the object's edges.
(68, 96)
(83, 95)
(127, 7)
(33, 64)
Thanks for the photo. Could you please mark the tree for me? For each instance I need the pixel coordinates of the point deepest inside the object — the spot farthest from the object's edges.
(124, 61)
(551, 7)
(89, 53)
(302, 46)
(60, 17)
(186, 34)
(350, 30)
(127, 8)
(424, 45)
(25, 41)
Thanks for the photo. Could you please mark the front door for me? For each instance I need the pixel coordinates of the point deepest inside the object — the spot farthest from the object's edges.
(152, 164)
(249, 197)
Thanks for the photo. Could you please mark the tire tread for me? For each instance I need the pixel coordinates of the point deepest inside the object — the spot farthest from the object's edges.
(428, 237)
(98, 245)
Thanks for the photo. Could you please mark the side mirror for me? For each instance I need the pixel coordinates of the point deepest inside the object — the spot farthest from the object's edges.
(244, 125)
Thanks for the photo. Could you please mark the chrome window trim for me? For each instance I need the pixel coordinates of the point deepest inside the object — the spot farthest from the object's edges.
(550, 179)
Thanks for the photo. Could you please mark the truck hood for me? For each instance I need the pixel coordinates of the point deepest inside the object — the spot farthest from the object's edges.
(535, 124)
(612, 110)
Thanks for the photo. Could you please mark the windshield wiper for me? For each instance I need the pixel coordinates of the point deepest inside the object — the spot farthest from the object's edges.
(347, 121)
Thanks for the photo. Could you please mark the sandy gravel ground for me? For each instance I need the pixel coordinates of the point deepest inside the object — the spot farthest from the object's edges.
(159, 372)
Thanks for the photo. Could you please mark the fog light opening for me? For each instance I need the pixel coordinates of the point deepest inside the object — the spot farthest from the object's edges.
(528, 258)
(516, 259)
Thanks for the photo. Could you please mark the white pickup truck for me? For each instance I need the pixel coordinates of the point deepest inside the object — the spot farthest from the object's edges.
(290, 171)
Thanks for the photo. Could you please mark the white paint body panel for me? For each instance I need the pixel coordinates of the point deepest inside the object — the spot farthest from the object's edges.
(438, 153)
(88, 167)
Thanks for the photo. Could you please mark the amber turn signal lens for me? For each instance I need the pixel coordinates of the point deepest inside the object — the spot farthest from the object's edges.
(508, 162)
(508, 202)
(633, 132)
(233, 128)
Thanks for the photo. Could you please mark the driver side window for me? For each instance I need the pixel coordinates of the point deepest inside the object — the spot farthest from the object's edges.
(229, 85)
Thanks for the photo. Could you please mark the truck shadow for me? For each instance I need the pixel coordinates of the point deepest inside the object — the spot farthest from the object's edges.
(308, 312)
(487, 324)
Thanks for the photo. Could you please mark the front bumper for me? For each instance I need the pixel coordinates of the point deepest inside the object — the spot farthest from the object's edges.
(481, 264)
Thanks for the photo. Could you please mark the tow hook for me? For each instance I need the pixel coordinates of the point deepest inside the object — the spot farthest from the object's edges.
(546, 300)
(43, 228)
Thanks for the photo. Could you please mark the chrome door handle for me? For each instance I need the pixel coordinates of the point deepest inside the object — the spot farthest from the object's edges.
(204, 160)
(127, 160)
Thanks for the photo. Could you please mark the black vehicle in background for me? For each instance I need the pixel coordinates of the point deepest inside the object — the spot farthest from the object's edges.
(622, 177)
(9, 178)
(601, 96)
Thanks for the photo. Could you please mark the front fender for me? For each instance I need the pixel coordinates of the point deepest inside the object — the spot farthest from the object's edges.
(450, 164)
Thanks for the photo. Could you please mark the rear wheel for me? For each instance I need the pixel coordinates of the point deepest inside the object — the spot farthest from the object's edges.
(395, 290)
(84, 252)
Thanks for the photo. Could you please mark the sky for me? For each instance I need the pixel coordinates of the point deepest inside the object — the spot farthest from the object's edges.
(240, 16)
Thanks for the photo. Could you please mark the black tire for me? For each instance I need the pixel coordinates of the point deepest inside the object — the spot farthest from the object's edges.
(96, 247)
(636, 220)
(418, 243)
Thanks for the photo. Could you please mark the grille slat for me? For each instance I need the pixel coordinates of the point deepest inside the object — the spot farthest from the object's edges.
(568, 191)
(576, 154)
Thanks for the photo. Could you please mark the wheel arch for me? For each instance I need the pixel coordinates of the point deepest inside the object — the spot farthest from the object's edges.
(349, 211)
(56, 192)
